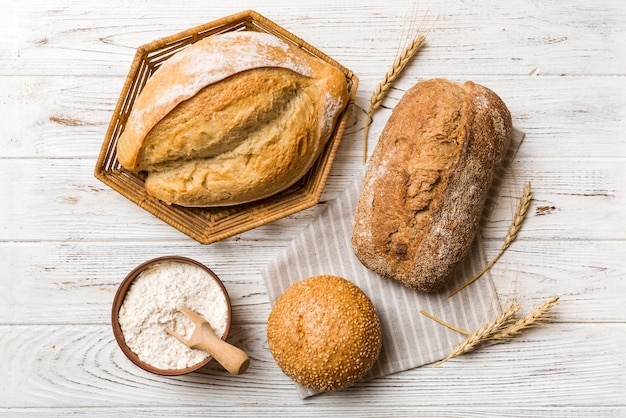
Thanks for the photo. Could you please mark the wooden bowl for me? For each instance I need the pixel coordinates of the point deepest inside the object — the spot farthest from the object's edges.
(119, 299)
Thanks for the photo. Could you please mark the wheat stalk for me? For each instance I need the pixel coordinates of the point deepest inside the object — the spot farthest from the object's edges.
(445, 324)
(514, 228)
(483, 334)
(535, 317)
(402, 59)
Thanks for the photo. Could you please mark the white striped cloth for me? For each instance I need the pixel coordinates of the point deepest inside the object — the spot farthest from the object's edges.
(410, 339)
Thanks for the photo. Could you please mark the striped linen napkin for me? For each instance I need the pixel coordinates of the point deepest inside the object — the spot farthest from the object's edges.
(410, 339)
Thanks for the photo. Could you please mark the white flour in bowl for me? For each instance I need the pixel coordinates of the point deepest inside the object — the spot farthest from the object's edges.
(152, 304)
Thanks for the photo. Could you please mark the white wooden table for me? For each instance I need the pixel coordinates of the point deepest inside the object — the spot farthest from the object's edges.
(67, 240)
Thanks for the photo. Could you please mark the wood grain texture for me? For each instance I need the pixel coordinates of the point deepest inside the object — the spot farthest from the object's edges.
(321, 410)
(96, 374)
(579, 190)
(530, 271)
(67, 241)
(55, 111)
(70, 37)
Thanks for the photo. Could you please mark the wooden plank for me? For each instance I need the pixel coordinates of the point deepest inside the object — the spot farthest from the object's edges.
(86, 276)
(579, 37)
(60, 199)
(51, 117)
(589, 277)
(562, 193)
(562, 116)
(49, 277)
(76, 366)
(373, 411)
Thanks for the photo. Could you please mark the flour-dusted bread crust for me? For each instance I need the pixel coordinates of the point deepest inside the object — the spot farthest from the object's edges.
(427, 182)
(231, 119)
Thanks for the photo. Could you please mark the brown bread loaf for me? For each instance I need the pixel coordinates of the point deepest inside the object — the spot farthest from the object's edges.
(427, 182)
(231, 119)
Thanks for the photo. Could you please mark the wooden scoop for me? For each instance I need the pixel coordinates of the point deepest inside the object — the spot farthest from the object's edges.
(233, 359)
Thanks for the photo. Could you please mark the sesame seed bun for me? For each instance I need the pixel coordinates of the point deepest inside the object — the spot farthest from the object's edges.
(324, 333)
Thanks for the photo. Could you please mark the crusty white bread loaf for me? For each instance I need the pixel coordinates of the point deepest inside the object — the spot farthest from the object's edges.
(324, 333)
(231, 119)
(427, 182)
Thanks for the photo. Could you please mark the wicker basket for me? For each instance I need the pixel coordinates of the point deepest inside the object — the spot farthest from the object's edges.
(207, 225)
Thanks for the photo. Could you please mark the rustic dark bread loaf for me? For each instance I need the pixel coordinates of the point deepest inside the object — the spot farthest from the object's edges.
(324, 333)
(427, 182)
(231, 119)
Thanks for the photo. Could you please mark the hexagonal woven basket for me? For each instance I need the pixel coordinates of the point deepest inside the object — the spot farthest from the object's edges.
(207, 225)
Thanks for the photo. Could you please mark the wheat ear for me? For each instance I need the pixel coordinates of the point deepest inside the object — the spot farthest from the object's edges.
(536, 317)
(483, 334)
(516, 225)
(380, 91)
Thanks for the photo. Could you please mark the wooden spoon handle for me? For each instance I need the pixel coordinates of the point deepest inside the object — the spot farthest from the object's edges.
(233, 359)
